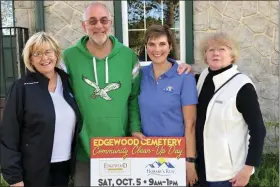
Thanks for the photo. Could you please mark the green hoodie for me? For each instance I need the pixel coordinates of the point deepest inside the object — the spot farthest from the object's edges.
(106, 91)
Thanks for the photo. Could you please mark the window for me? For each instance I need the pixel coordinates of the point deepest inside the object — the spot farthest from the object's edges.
(7, 16)
(138, 15)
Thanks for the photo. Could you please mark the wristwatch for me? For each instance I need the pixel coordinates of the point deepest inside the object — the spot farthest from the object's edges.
(190, 159)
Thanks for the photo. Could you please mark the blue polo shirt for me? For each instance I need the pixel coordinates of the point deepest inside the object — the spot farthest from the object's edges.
(161, 101)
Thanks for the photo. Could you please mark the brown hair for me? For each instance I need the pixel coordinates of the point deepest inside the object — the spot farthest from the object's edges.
(155, 31)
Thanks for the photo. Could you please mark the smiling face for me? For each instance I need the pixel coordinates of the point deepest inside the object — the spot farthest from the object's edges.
(158, 49)
(219, 50)
(218, 57)
(43, 59)
(98, 23)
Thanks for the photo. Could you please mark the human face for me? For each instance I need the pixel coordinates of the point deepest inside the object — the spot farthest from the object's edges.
(44, 59)
(158, 49)
(97, 24)
(218, 57)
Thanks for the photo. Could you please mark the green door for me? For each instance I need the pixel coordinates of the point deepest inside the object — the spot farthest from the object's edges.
(9, 68)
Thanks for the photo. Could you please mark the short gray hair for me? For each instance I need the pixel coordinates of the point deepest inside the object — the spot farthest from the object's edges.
(93, 4)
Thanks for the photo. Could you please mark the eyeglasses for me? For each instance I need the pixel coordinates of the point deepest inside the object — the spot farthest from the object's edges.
(48, 53)
(94, 21)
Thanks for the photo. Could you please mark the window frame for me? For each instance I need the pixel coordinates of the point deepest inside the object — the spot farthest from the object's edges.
(186, 25)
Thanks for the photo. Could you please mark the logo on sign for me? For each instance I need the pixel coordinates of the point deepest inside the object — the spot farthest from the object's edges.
(160, 167)
(114, 167)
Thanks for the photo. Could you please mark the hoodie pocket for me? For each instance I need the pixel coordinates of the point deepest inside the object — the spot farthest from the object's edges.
(105, 127)
(115, 126)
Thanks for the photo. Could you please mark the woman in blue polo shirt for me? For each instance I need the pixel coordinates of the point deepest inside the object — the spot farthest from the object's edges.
(168, 100)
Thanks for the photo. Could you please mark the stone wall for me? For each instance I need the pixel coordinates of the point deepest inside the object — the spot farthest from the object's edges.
(254, 24)
(25, 15)
(62, 18)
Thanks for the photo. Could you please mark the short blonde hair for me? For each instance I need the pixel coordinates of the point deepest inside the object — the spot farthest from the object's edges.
(36, 41)
(219, 39)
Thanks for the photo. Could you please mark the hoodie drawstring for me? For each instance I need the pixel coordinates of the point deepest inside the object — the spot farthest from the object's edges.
(95, 71)
(106, 70)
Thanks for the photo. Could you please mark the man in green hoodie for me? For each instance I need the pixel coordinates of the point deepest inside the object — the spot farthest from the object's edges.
(105, 80)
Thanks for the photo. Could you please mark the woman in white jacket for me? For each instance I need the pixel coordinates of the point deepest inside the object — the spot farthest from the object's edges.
(230, 130)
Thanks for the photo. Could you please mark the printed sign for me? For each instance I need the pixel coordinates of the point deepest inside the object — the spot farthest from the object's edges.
(132, 162)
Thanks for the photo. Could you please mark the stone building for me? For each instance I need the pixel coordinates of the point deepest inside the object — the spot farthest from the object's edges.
(254, 24)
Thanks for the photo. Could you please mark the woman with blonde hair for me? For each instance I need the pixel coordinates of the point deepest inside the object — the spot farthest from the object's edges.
(230, 130)
(40, 120)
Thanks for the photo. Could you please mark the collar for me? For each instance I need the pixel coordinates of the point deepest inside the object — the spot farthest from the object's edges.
(45, 80)
(171, 72)
(216, 72)
(224, 76)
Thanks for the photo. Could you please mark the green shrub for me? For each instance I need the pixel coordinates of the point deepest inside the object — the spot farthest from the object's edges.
(3, 182)
(267, 174)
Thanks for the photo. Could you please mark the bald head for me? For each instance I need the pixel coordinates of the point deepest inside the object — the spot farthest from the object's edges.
(93, 7)
(97, 23)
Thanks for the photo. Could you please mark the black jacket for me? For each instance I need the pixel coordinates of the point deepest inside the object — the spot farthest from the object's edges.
(27, 129)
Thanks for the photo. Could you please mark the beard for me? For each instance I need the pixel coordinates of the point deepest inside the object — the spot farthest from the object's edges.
(99, 39)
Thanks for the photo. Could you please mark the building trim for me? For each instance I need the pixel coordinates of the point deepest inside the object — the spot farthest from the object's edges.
(40, 16)
(189, 32)
(118, 20)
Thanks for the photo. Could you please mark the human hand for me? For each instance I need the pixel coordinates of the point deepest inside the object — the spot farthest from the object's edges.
(183, 67)
(242, 178)
(138, 135)
(191, 174)
(18, 184)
